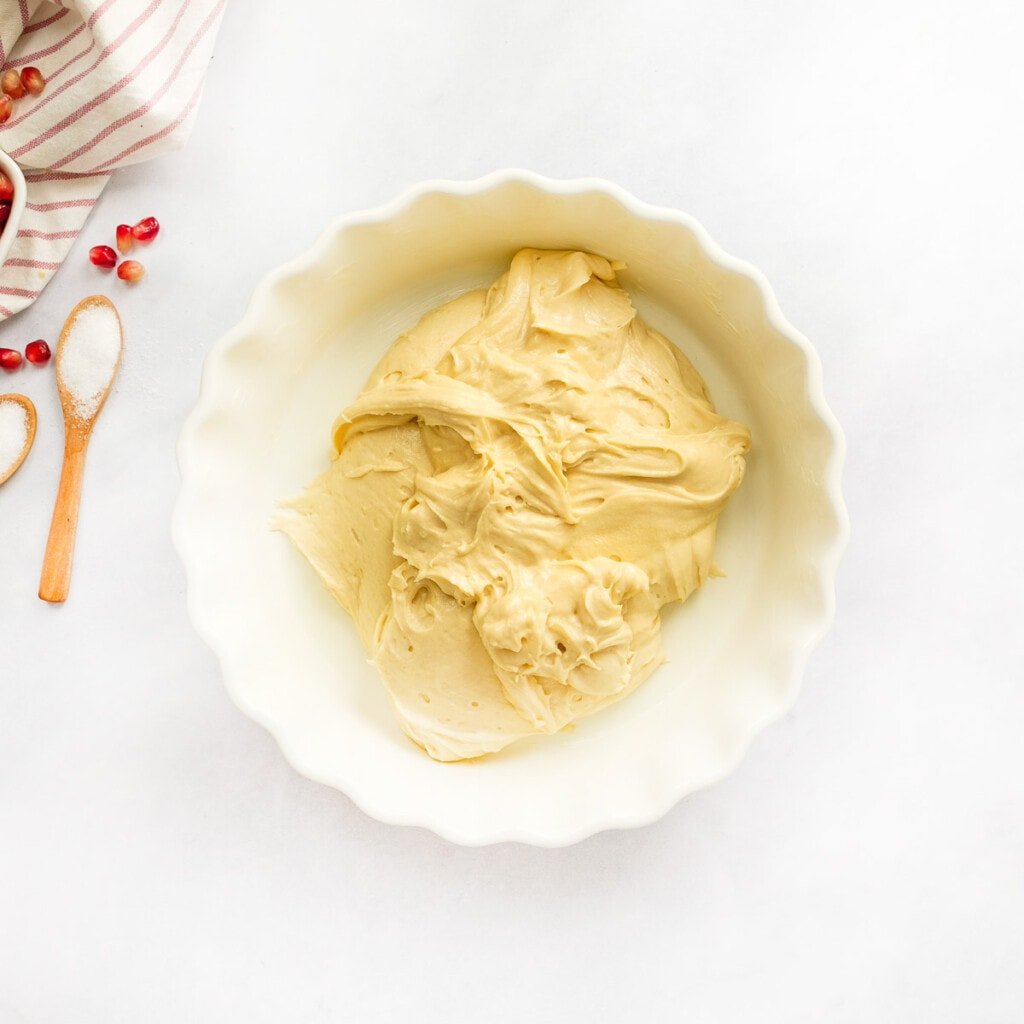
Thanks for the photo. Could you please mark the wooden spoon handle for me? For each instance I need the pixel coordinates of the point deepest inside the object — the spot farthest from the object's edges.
(60, 547)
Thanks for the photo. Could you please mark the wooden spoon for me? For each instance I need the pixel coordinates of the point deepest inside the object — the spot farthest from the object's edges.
(60, 547)
(30, 435)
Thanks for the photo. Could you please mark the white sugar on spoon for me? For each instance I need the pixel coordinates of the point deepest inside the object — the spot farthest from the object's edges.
(17, 432)
(88, 357)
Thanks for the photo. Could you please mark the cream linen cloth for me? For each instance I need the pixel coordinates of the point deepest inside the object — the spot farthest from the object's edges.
(123, 81)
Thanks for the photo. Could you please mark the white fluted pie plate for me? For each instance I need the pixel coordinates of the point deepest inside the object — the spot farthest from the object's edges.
(261, 429)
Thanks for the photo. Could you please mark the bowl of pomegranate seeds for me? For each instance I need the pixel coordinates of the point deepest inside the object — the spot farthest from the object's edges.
(12, 202)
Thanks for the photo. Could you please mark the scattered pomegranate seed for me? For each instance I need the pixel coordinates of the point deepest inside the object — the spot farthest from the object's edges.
(32, 79)
(131, 271)
(6, 106)
(11, 84)
(103, 256)
(125, 238)
(146, 230)
(10, 359)
(37, 352)
(6, 187)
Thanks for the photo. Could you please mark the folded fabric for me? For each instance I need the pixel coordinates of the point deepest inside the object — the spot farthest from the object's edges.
(123, 82)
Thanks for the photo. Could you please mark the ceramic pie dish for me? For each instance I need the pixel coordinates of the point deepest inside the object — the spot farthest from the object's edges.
(261, 429)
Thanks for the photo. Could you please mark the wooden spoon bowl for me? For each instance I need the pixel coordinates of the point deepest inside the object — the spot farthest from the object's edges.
(6, 472)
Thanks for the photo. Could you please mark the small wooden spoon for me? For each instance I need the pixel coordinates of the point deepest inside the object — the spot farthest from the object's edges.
(60, 547)
(30, 435)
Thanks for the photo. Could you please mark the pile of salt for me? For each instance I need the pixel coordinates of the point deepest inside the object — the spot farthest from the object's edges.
(88, 357)
(13, 434)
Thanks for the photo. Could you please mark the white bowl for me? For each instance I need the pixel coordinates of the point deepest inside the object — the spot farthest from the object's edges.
(262, 427)
(13, 171)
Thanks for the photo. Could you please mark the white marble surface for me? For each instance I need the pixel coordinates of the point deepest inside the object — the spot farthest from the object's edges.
(160, 862)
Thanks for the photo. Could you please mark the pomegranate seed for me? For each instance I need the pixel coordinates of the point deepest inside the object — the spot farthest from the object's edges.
(131, 271)
(146, 230)
(32, 79)
(125, 238)
(10, 359)
(6, 106)
(103, 256)
(11, 84)
(5, 213)
(37, 352)
(6, 187)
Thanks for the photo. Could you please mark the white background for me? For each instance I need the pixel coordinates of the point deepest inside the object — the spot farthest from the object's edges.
(159, 861)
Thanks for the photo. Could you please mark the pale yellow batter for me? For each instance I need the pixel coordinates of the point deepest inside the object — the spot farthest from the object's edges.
(528, 476)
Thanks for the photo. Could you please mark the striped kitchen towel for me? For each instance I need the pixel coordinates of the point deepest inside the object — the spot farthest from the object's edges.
(123, 80)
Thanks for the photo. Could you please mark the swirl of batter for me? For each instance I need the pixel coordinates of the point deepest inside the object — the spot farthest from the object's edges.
(529, 475)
